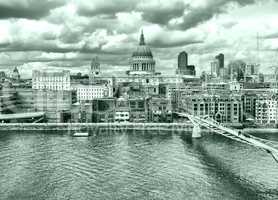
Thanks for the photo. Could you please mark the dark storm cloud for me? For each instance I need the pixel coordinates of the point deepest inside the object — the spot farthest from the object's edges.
(162, 15)
(31, 9)
(198, 15)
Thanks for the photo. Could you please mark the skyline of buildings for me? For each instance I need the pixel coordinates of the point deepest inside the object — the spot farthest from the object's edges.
(228, 93)
(147, 64)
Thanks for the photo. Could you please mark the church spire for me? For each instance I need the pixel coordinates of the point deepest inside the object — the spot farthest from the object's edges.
(142, 39)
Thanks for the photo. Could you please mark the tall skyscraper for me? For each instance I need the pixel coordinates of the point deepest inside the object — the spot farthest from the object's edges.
(182, 60)
(220, 58)
(183, 67)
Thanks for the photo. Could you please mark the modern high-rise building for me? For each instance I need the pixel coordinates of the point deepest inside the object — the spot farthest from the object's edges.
(183, 67)
(220, 58)
(182, 60)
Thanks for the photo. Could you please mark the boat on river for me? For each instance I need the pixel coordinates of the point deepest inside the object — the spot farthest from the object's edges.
(81, 134)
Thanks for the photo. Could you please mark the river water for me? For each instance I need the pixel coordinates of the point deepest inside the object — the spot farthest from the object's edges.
(133, 166)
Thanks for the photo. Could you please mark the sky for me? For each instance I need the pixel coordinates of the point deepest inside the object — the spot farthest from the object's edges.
(67, 34)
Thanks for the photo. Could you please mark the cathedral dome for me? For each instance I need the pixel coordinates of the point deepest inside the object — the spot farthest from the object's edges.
(142, 50)
(142, 61)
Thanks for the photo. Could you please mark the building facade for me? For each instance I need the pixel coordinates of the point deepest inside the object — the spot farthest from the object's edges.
(91, 92)
(138, 109)
(160, 110)
(56, 104)
(122, 111)
(267, 109)
(224, 108)
(51, 80)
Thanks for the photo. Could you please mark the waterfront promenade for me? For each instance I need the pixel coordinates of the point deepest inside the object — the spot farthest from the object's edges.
(96, 126)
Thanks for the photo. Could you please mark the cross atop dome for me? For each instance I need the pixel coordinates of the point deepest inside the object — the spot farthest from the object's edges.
(142, 39)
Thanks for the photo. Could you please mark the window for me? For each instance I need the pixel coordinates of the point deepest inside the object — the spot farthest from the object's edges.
(195, 107)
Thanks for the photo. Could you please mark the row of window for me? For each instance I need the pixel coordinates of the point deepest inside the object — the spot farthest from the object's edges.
(50, 78)
(144, 67)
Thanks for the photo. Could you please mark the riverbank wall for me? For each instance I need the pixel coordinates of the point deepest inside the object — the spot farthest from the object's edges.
(95, 128)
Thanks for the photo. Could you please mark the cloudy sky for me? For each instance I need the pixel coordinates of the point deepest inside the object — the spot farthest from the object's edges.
(66, 34)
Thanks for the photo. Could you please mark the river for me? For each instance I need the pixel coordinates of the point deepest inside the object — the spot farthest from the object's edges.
(44, 166)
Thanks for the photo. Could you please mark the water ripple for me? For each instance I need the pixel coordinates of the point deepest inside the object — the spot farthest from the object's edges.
(132, 166)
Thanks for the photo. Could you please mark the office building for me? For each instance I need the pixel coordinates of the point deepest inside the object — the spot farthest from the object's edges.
(183, 67)
(220, 58)
(182, 61)
(224, 108)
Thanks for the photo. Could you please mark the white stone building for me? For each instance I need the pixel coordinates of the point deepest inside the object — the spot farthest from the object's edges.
(51, 80)
(91, 92)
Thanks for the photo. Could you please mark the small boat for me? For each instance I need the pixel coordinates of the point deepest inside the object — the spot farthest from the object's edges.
(81, 134)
